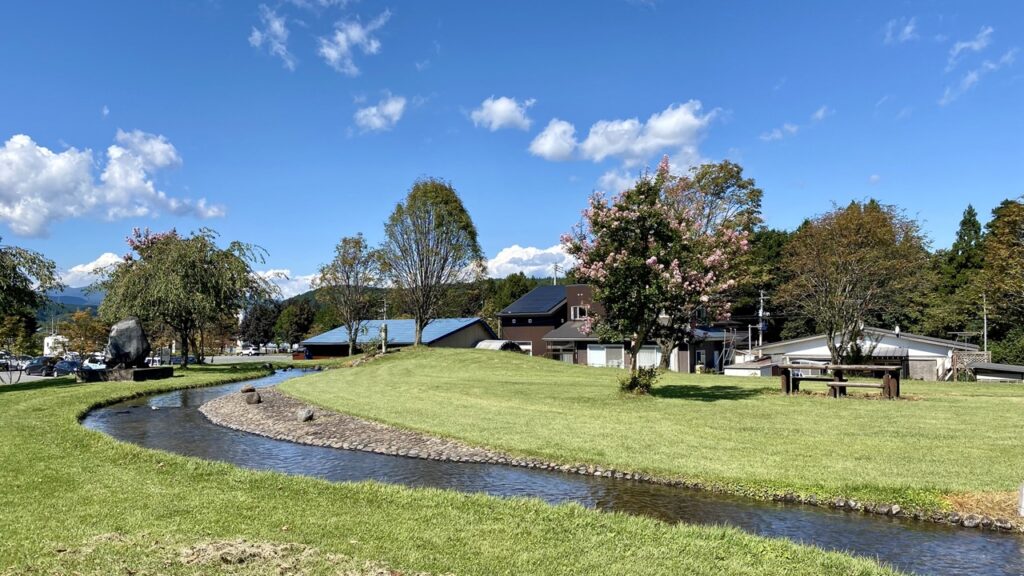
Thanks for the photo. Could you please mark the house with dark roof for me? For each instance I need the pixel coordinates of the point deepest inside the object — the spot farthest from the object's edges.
(548, 322)
(922, 357)
(439, 333)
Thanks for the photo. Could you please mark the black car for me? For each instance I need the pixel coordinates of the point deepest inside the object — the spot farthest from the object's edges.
(41, 366)
(65, 367)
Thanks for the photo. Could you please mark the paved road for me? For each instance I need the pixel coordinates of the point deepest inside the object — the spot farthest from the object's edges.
(213, 360)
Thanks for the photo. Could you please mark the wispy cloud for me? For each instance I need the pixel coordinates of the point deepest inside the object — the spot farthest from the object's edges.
(779, 133)
(273, 33)
(972, 77)
(977, 44)
(899, 30)
(338, 49)
(821, 113)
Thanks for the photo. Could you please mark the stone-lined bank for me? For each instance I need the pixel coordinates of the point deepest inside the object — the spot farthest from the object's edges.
(281, 417)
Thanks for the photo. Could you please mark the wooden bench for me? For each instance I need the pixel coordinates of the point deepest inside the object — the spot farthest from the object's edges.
(837, 384)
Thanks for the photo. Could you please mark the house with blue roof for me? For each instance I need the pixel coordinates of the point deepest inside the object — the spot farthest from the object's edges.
(439, 333)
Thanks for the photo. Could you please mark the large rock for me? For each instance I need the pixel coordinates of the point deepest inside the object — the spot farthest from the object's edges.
(304, 414)
(127, 346)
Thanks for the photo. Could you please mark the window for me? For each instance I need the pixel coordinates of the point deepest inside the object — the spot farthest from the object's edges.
(578, 312)
(700, 358)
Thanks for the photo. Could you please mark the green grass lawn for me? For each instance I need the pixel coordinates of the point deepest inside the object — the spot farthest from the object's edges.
(740, 433)
(75, 501)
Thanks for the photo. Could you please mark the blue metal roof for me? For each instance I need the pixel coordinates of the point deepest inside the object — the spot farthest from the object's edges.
(400, 332)
(540, 300)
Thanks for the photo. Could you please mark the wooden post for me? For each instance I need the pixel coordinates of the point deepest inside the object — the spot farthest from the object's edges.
(887, 385)
(1020, 505)
(784, 380)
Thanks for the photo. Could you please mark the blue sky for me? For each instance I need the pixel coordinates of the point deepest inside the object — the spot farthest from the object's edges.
(291, 124)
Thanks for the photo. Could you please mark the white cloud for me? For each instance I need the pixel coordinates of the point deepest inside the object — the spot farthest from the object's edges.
(680, 126)
(381, 116)
(615, 181)
(339, 48)
(503, 112)
(83, 274)
(105, 111)
(786, 129)
(529, 260)
(39, 186)
(899, 30)
(822, 113)
(979, 43)
(874, 179)
(274, 35)
(288, 284)
(556, 142)
(972, 77)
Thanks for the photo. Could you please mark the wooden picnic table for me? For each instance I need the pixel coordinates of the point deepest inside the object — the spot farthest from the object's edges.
(837, 383)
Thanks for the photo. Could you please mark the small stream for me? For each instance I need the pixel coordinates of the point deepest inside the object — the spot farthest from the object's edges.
(178, 426)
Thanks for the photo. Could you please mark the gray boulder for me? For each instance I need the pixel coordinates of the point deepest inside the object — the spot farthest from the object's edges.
(127, 346)
(304, 414)
(253, 398)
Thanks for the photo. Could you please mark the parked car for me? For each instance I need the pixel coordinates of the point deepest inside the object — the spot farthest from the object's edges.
(94, 362)
(65, 367)
(41, 366)
(22, 361)
(249, 351)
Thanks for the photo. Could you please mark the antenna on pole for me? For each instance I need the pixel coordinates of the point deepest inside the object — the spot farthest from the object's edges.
(556, 268)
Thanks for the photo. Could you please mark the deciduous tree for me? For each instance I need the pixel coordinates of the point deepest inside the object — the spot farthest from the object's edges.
(348, 285)
(851, 266)
(184, 282)
(258, 322)
(85, 333)
(659, 257)
(295, 321)
(430, 246)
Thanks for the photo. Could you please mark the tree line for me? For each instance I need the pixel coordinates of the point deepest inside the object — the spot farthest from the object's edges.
(673, 252)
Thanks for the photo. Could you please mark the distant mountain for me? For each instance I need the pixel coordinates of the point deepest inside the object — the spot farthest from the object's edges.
(76, 297)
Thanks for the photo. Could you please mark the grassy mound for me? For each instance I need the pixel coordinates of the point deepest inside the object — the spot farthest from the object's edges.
(67, 489)
(734, 432)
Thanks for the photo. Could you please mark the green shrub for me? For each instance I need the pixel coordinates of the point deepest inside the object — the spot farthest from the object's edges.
(639, 383)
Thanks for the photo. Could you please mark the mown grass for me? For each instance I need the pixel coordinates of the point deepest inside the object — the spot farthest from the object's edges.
(64, 488)
(738, 433)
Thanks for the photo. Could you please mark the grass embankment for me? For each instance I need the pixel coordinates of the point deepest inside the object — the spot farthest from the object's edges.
(734, 432)
(77, 501)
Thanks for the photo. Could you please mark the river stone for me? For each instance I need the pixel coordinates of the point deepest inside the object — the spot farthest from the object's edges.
(304, 414)
(971, 521)
(253, 398)
(127, 345)
(1003, 524)
(247, 388)
(895, 510)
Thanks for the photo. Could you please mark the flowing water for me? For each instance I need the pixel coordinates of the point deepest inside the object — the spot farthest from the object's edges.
(177, 426)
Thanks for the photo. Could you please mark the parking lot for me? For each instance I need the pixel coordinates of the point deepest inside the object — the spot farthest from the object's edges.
(229, 359)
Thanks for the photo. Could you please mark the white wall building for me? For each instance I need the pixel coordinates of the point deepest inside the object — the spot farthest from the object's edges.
(922, 357)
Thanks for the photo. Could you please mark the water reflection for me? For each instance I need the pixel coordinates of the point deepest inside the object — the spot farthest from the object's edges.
(177, 426)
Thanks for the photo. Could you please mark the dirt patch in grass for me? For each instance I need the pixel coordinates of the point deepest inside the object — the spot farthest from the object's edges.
(991, 504)
(145, 555)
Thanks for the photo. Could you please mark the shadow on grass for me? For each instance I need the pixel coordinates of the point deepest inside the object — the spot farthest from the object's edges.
(707, 393)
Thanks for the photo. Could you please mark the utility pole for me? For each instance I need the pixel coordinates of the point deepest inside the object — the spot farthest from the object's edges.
(555, 268)
(760, 321)
(384, 329)
(984, 316)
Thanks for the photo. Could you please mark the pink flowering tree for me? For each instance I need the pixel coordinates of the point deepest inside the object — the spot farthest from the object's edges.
(656, 262)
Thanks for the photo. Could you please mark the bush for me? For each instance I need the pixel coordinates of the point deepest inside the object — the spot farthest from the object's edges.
(639, 383)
